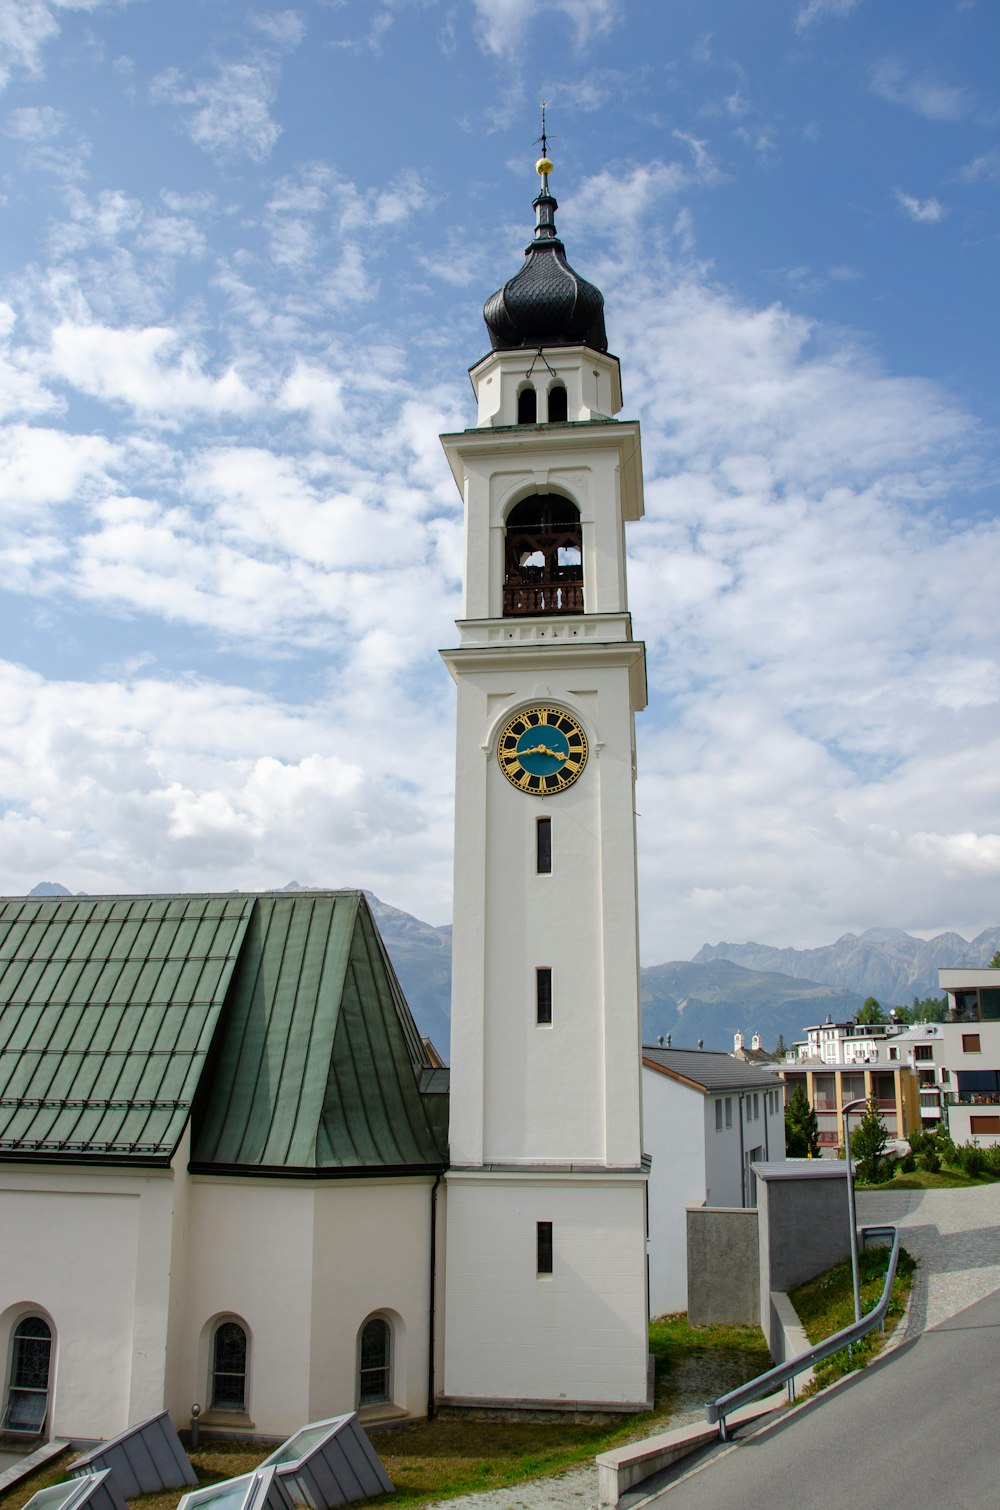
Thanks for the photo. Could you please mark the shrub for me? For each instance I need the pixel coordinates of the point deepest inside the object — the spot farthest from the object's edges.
(930, 1161)
(907, 1163)
(992, 1157)
(971, 1159)
(918, 1141)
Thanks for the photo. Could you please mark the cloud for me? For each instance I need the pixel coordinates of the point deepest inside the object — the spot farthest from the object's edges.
(503, 25)
(985, 167)
(924, 211)
(815, 11)
(204, 785)
(286, 28)
(227, 115)
(928, 96)
(149, 370)
(40, 467)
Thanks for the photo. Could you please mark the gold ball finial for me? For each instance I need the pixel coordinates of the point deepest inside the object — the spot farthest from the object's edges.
(543, 166)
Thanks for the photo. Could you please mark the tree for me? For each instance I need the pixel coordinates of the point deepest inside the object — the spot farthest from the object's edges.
(779, 1047)
(994, 963)
(929, 1009)
(869, 1141)
(871, 1014)
(801, 1127)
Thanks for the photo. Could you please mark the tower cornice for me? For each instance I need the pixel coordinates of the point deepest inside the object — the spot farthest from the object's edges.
(551, 440)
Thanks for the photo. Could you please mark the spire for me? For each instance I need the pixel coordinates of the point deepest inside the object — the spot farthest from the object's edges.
(546, 303)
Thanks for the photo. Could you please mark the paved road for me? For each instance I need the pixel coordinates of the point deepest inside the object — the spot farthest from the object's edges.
(916, 1429)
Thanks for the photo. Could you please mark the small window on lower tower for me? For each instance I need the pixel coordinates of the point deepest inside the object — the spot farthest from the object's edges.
(543, 1242)
(543, 995)
(543, 846)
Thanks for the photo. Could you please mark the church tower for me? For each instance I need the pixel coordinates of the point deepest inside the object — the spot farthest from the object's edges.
(546, 1234)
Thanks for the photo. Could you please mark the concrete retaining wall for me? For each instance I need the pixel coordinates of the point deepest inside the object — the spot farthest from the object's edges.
(723, 1265)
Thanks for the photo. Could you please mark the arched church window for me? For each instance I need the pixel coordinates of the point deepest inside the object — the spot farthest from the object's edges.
(28, 1387)
(229, 1367)
(375, 1362)
(543, 557)
(527, 406)
(557, 403)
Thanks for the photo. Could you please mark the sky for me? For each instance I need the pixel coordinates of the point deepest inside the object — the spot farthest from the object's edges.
(244, 252)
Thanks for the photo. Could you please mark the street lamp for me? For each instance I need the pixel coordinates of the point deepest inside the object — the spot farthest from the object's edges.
(855, 1263)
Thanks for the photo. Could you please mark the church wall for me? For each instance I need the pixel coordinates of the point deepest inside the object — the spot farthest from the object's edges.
(371, 1245)
(578, 1333)
(250, 1257)
(303, 1265)
(90, 1250)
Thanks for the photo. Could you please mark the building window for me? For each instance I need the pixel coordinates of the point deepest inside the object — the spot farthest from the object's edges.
(756, 1107)
(970, 1043)
(984, 1124)
(923, 1051)
(543, 1244)
(374, 1361)
(893, 1053)
(229, 1367)
(718, 1113)
(729, 1111)
(543, 995)
(28, 1389)
(543, 846)
(557, 403)
(527, 407)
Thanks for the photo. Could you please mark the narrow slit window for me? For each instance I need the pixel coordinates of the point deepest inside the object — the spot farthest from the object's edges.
(543, 846)
(543, 1240)
(543, 995)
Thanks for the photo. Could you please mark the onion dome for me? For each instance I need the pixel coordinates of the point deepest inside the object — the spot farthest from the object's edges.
(546, 303)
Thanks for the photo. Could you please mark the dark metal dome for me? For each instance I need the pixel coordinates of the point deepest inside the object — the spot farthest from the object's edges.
(546, 303)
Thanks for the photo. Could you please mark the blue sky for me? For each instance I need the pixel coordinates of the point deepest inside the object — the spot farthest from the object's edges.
(244, 254)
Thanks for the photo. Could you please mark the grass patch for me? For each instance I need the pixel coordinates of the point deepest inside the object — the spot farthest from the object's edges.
(922, 1179)
(433, 1460)
(826, 1304)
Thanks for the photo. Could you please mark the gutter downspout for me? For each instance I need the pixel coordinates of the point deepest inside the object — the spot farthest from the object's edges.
(743, 1173)
(430, 1339)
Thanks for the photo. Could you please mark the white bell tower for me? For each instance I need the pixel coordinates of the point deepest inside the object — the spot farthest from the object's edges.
(546, 1300)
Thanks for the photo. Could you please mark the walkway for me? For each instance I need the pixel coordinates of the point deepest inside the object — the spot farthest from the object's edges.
(954, 1233)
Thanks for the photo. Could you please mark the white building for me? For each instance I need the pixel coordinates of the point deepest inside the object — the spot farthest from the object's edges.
(706, 1118)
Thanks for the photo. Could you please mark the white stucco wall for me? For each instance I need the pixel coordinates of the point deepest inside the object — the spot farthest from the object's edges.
(302, 1265)
(576, 1334)
(90, 1250)
(673, 1121)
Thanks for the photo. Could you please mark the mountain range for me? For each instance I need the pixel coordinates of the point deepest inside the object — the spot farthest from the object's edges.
(754, 988)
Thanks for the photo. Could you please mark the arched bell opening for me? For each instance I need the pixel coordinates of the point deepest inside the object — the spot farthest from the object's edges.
(557, 403)
(543, 557)
(527, 406)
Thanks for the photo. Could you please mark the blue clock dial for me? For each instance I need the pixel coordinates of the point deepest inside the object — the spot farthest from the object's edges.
(542, 751)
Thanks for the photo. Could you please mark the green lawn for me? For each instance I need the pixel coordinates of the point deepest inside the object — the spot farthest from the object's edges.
(826, 1304)
(945, 1179)
(438, 1459)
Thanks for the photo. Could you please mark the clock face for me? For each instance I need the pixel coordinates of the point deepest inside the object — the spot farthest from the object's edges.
(542, 751)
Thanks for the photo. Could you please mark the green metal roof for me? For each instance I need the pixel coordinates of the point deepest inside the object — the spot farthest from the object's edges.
(275, 1020)
(320, 1063)
(108, 1006)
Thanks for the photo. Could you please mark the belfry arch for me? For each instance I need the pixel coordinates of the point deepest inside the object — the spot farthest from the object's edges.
(543, 557)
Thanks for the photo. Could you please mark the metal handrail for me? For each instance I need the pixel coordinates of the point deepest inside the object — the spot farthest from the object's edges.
(784, 1373)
